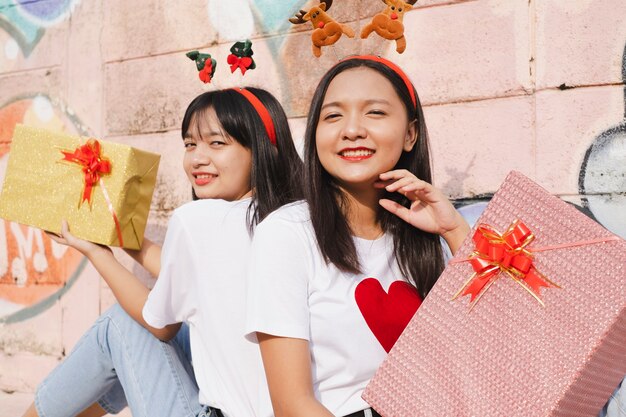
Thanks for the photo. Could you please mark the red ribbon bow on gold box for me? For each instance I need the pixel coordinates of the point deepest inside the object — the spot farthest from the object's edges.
(89, 157)
(94, 166)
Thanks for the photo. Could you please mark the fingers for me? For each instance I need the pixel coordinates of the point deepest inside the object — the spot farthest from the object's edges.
(395, 174)
(403, 182)
(57, 238)
(52, 234)
(62, 237)
(65, 228)
(394, 185)
(421, 187)
(400, 178)
(395, 208)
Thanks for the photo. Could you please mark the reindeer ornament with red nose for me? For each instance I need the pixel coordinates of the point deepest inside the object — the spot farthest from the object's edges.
(388, 23)
(327, 31)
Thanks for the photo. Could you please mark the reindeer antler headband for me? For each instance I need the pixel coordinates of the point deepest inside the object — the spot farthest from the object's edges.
(326, 31)
(389, 23)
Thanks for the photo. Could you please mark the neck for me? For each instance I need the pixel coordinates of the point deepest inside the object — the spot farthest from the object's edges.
(361, 212)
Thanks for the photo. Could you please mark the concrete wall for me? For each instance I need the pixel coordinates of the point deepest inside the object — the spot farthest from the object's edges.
(531, 85)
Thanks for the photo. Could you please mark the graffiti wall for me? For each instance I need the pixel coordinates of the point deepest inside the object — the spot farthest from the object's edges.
(34, 270)
(533, 86)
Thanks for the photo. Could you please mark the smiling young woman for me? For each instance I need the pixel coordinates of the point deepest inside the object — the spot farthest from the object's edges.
(216, 164)
(371, 220)
(242, 164)
(357, 133)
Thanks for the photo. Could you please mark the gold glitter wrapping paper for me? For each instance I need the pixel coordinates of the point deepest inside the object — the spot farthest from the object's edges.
(509, 356)
(39, 190)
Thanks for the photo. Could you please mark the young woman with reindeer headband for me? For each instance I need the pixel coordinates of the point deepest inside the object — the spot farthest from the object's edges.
(372, 224)
(335, 280)
(242, 164)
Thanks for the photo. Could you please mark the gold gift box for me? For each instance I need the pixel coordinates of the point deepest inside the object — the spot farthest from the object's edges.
(41, 189)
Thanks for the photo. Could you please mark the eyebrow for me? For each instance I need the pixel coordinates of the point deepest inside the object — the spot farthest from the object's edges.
(204, 134)
(367, 102)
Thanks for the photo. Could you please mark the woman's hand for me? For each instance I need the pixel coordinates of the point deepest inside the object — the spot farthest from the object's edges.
(83, 246)
(129, 291)
(430, 210)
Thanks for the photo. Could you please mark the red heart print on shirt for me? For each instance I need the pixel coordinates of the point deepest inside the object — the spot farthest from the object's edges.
(387, 314)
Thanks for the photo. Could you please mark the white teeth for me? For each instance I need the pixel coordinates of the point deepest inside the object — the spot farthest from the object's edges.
(204, 176)
(358, 152)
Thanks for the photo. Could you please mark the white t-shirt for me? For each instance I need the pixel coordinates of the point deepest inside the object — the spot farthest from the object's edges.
(292, 292)
(202, 282)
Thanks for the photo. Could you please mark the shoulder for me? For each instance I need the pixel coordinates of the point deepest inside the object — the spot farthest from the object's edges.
(210, 209)
(197, 217)
(296, 212)
(288, 223)
(210, 206)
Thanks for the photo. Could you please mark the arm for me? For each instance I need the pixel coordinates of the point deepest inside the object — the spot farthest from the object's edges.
(287, 363)
(455, 237)
(278, 304)
(430, 210)
(149, 256)
(129, 291)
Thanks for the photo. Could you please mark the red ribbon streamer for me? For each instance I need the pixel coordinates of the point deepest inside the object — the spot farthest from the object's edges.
(503, 252)
(243, 63)
(94, 165)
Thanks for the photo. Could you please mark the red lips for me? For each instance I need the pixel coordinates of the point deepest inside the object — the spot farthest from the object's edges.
(203, 178)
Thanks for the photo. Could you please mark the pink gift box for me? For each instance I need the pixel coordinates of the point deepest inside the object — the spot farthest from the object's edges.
(509, 355)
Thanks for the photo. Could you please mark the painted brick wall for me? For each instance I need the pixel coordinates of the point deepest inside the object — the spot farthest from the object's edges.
(531, 85)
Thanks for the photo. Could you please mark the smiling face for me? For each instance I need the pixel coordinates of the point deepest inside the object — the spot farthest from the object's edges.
(363, 128)
(216, 164)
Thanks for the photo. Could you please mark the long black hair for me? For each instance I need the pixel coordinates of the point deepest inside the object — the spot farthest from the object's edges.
(276, 174)
(418, 253)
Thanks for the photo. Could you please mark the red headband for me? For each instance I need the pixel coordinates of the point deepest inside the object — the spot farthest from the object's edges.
(262, 111)
(392, 67)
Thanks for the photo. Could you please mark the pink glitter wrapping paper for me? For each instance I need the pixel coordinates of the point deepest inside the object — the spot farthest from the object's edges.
(509, 356)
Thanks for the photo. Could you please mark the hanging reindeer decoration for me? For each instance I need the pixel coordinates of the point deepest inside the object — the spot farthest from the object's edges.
(388, 23)
(326, 31)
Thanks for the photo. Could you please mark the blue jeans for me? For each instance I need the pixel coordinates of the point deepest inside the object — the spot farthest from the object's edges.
(118, 361)
(616, 406)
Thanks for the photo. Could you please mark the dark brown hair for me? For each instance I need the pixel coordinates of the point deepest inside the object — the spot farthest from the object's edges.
(418, 253)
(276, 173)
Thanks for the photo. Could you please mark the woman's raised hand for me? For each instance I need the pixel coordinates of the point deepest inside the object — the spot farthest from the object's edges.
(430, 210)
(83, 246)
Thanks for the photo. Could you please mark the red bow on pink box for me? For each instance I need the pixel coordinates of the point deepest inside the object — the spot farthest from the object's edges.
(507, 253)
